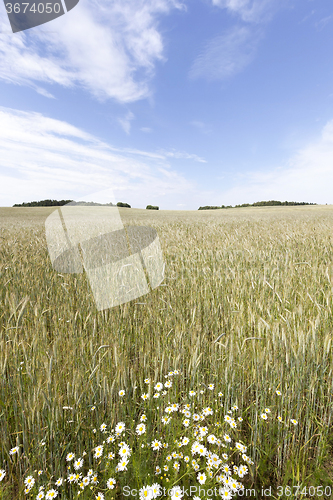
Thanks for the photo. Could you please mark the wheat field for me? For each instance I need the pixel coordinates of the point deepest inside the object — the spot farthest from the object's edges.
(246, 305)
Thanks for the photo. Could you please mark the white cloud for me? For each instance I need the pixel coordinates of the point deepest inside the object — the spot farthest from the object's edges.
(307, 176)
(227, 55)
(46, 158)
(323, 22)
(251, 10)
(126, 122)
(200, 126)
(182, 155)
(44, 92)
(146, 129)
(108, 48)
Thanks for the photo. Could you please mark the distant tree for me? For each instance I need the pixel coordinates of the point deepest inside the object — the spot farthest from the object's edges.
(152, 207)
(55, 203)
(260, 204)
(44, 203)
(121, 204)
(92, 204)
(208, 208)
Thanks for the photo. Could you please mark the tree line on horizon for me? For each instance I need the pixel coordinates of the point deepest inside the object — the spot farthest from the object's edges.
(60, 203)
(56, 203)
(259, 204)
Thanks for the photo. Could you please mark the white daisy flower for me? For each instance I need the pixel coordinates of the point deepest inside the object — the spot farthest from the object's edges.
(140, 429)
(176, 493)
(125, 451)
(226, 469)
(111, 483)
(122, 465)
(93, 479)
(98, 451)
(201, 477)
(120, 427)
(85, 481)
(226, 493)
(51, 494)
(212, 439)
(29, 481)
(78, 463)
(207, 411)
(156, 445)
(156, 489)
(145, 493)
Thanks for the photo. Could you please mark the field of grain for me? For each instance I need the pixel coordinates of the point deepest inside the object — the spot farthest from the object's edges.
(246, 305)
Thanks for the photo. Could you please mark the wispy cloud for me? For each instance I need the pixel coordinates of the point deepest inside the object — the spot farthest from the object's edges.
(126, 122)
(146, 129)
(44, 92)
(323, 22)
(307, 17)
(107, 48)
(227, 55)
(306, 176)
(205, 129)
(253, 11)
(47, 158)
(182, 155)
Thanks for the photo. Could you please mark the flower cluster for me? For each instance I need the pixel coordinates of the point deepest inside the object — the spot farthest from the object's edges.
(187, 436)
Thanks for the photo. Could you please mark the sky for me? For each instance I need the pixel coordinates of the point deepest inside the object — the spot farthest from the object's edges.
(172, 103)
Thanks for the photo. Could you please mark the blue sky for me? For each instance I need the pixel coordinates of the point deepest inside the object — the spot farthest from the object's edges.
(171, 103)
